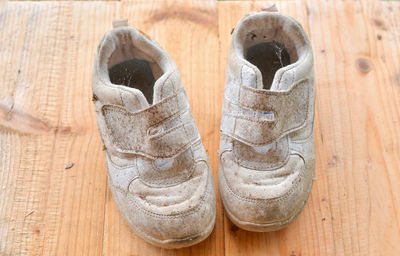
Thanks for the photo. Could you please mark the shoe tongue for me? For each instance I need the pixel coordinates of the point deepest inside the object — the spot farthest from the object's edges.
(134, 99)
(252, 77)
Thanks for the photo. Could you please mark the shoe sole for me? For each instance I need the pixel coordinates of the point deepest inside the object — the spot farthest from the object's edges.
(167, 243)
(266, 227)
(179, 242)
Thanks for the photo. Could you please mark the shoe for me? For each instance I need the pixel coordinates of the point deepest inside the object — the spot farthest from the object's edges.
(158, 170)
(267, 155)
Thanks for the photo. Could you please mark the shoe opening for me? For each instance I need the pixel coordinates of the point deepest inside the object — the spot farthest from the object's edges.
(129, 65)
(270, 41)
(268, 57)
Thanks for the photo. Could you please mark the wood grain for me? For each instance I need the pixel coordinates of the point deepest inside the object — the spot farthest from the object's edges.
(358, 122)
(47, 123)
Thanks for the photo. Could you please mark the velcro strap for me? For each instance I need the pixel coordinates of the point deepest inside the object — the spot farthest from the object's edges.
(258, 117)
(163, 130)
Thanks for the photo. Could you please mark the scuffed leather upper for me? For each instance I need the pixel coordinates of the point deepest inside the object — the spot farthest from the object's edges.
(266, 151)
(158, 170)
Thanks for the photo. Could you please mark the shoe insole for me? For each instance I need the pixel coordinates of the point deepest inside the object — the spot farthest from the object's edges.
(268, 57)
(134, 73)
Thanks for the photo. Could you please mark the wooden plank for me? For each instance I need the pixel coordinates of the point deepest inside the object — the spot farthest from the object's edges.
(383, 91)
(357, 125)
(187, 30)
(338, 121)
(47, 122)
(61, 0)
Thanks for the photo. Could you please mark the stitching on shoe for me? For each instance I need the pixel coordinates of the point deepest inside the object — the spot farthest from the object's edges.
(179, 113)
(120, 167)
(162, 216)
(171, 117)
(182, 214)
(304, 140)
(293, 74)
(134, 165)
(267, 201)
(293, 214)
(169, 78)
(278, 93)
(301, 61)
(270, 167)
(166, 216)
(259, 201)
(165, 181)
(191, 158)
(171, 153)
(278, 137)
(159, 104)
(167, 184)
(163, 134)
(174, 240)
(267, 142)
(271, 124)
(159, 181)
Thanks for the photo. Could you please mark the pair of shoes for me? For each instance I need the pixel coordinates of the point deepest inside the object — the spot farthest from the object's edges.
(158, 170)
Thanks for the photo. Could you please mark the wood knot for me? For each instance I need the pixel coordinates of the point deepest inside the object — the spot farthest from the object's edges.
(363, 65)
(379, 23)
(234, 228)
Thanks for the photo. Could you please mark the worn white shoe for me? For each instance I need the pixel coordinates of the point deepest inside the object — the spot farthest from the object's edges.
(267, 156)
(158, 170)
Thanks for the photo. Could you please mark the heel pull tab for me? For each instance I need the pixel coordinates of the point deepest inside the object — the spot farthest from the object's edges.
(270, 8)
(120, 23)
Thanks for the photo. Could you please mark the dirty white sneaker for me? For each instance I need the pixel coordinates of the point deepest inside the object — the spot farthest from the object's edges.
(158, 170)
(267, 156)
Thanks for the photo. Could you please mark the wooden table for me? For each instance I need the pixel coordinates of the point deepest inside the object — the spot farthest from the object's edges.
(47, 124)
